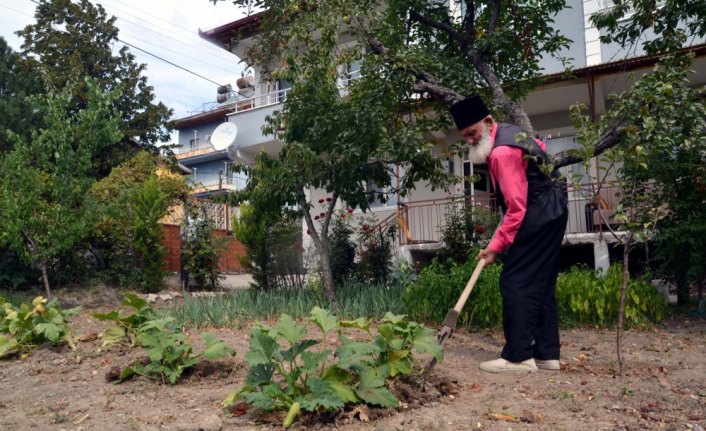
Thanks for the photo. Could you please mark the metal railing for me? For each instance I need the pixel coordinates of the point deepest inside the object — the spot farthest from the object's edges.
(420, 222)
(264, 100)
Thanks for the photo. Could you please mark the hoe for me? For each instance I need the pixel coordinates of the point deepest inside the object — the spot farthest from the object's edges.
(452, 315)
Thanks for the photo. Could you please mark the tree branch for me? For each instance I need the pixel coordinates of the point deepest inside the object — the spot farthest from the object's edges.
(495, 13)
(470, 22)
(446, 28)
(606, 142)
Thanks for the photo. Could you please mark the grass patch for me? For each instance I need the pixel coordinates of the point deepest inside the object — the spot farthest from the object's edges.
(355, 300)
(16, 298)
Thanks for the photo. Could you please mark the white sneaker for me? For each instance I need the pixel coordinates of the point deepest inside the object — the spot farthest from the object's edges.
(548, 364)
(502, 366)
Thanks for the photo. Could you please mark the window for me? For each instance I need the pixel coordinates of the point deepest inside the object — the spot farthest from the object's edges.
(483, 183)
(386, 197)
(194, 144)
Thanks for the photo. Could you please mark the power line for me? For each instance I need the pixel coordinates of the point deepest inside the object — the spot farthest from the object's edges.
(141, 49)
(17, 11)
(177, 38)
(168, 62)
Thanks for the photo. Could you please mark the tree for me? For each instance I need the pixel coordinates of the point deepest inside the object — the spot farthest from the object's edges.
(15, 86)
(675, 22)
(44, 187)
(660, 168)
(117, 236)
(76, 39)
(677, 166)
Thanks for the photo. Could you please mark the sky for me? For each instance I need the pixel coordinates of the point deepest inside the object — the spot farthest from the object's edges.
(167, 29)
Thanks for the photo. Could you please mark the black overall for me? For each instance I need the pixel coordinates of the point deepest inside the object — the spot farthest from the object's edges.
(531, 265)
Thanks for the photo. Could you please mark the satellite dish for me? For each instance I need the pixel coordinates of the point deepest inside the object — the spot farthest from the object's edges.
(224, 136)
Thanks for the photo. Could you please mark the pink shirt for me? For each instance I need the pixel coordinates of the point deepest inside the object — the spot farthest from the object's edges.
(507, 169)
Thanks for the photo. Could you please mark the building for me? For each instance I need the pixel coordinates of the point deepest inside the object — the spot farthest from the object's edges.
(598, 70)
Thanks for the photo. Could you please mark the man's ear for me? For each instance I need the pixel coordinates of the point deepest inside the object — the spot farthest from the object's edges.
(488, 121)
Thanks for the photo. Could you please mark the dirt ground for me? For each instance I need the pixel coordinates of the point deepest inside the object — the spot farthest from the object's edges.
(664, 387)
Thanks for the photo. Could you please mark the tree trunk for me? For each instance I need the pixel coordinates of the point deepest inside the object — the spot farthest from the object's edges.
(327, 273)
(682, 291)
(621, 309)
(45, 278)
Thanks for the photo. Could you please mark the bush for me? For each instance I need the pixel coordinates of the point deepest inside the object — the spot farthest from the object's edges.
(200, 253)
(375, 254)
(341, 248)
(586, 298)
(438, 288)
(466, 226)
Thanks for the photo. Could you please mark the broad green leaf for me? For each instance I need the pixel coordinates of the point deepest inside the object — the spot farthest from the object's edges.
(425, 341)
(113, 335)
(339, 380)
(321, 395)
(7, 345)
(288, 330)
(127, 373)
(354, 353)
(297, 349)
(51, 331)
(216, 348)
(263, 348)
(393, 318)
(114, 316)
(312, 360)
(400, 362)
(323, 319)
(372, 389)
(260, 374)
(359, 323)
(134, 301)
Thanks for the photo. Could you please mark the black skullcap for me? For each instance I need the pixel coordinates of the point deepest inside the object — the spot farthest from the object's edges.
(468, 111)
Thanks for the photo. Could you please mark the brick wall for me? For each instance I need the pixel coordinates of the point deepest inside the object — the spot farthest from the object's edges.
(172, 244)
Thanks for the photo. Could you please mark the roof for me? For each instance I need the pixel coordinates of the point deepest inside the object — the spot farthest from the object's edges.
(219, 113)
(241, 28)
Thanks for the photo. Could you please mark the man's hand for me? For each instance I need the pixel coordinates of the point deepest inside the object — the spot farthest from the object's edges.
(489, 256)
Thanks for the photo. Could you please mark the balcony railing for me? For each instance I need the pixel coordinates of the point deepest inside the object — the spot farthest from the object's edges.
(420, 222)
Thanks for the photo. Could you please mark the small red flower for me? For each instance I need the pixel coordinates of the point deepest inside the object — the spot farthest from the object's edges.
(328, 199)
(308, 232)
(480, 229)
(322, 214)
(350, 210)
(343, 216)
(366, 227)
(321, 200)
(316, 218)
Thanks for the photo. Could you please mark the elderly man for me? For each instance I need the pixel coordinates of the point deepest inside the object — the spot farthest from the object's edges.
(531, 232)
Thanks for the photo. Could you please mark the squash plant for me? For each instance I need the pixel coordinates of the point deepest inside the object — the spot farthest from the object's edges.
(286, 373)
(30, 326)
(168, 349)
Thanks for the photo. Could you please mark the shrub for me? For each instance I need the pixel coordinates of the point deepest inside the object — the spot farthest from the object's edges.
(341, 248)
(467, 225)
(586, 298)
(375, 254)
(438, 287)
(200, 254)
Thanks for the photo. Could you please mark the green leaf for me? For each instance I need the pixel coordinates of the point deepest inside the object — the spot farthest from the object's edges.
(359, 323)
(113, 335)
(425, 341)
(7, 345)
(339, 380)
(312, 360)
(323, 319)
(51, 331)
(288, 330)
(400, 362)
(263, 348)
(215, 348)
(297, 349)
(126, 374)
(355, 353)
(260, 374)
(134, 301)
(372, 389)
(114, 316)
(321, 395)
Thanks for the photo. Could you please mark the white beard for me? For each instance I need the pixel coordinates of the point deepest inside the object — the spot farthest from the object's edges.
(478, 153)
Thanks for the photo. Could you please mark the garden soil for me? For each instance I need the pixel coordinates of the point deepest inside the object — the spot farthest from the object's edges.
(664, 387)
